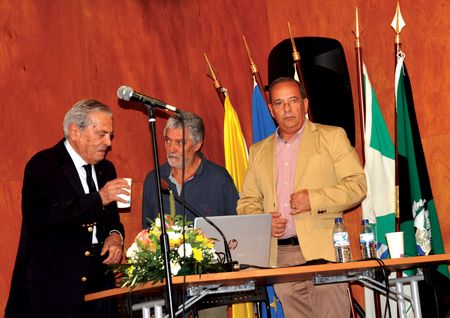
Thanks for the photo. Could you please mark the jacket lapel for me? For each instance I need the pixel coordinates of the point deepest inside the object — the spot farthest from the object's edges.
(269, 166)
(100, 176)
(305, 153)
(68, 168)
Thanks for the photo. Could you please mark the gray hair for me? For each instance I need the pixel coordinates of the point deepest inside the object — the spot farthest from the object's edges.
(191, 121)
(280, 80)
(79, 112)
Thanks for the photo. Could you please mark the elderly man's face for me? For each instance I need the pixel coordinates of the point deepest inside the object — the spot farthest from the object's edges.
(93, 141)
(173, 141)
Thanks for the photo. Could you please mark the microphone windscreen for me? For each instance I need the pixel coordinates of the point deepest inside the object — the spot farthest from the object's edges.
(125, 92)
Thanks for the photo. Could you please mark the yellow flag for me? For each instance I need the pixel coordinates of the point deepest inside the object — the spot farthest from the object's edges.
(243, 310)
(236, 155)
(236, 162)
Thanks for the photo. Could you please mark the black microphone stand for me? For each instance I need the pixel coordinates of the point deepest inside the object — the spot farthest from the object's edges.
(164, 238)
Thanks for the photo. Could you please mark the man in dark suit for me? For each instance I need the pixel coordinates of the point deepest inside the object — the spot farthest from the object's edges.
(70, 231)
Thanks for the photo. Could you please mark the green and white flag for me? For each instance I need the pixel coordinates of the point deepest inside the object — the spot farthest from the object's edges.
(418, 216)
(379, 205)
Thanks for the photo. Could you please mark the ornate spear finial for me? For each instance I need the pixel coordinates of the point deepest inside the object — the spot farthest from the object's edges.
(295, 53)
(253, 67)
(398, 23)
(356, 32)
(297, 64)
(212, 74)
(254, 70)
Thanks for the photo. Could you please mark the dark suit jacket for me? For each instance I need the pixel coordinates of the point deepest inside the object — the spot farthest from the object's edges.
(57, 223)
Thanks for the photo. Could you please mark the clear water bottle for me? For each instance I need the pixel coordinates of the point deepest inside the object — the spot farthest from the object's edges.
(341, 241)
(367, 240)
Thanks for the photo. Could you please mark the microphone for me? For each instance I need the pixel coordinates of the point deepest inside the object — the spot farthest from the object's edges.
(165, 186)
(127, 93)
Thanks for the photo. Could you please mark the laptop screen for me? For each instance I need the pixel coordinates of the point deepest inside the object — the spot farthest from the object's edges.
(248, 236)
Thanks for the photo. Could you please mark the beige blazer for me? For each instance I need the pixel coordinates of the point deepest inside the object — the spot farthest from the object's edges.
(327, 166)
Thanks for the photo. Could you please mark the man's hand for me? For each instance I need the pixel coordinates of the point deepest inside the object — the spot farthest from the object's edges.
(300, 202)
(112, 188)
(278, 224)
(113, 245)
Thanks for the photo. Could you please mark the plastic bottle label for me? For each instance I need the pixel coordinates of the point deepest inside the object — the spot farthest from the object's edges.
(366, 238)
(341, 239)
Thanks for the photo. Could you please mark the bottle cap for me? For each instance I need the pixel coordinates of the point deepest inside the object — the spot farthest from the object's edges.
(365, 221)
(338, 220)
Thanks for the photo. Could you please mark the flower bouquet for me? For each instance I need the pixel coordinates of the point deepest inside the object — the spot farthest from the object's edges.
(189, 252)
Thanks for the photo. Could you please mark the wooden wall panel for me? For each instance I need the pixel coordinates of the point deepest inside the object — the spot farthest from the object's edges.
(9, 239)
(55, 53)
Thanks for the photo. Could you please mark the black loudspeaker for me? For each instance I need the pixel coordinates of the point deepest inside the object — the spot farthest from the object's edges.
(326, 79)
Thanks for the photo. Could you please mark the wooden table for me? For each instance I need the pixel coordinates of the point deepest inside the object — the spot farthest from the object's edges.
(274, 275)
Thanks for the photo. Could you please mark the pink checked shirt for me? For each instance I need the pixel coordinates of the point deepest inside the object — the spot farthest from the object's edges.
(285, 161)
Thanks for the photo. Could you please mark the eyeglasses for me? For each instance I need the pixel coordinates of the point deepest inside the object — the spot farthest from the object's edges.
(293, 101)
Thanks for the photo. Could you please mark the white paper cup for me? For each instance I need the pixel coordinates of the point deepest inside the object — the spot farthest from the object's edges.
(122, 205)
(395, 244)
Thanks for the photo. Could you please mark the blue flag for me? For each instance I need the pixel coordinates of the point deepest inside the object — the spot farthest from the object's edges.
(275, 308)
(262, 127)
(262, 122)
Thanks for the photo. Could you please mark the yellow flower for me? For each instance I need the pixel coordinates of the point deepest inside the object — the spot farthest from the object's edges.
(199, 238)
(175, 239)
(130, 270)
(204, 240)
(155, 231)
(198, 256)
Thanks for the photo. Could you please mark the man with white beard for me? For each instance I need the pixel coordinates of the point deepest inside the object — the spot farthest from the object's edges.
(207, 187)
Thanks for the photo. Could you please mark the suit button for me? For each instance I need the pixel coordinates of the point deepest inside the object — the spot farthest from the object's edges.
(83, 279)
(90, 229)
(87, 253)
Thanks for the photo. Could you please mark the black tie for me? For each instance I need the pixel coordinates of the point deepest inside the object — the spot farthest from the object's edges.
(89, 180)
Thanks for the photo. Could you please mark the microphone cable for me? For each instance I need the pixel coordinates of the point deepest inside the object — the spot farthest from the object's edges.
(183, 199)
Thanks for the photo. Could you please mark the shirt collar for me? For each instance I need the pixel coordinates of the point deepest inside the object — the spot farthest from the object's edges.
(202, 163)
(297, 135)
(76, 158)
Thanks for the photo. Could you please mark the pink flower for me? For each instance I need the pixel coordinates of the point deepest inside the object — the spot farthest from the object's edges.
(143, 237)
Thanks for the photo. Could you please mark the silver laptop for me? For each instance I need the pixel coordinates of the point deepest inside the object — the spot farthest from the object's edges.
(248, 236)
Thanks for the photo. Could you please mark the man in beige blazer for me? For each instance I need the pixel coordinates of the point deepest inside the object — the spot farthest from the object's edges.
(306, 175)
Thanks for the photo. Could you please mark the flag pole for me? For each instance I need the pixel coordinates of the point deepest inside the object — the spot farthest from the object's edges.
(297, 63)
(254, 70)
(299, 69)
(221, 91)
(362, 110)
(397, 24)
(360, 82)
